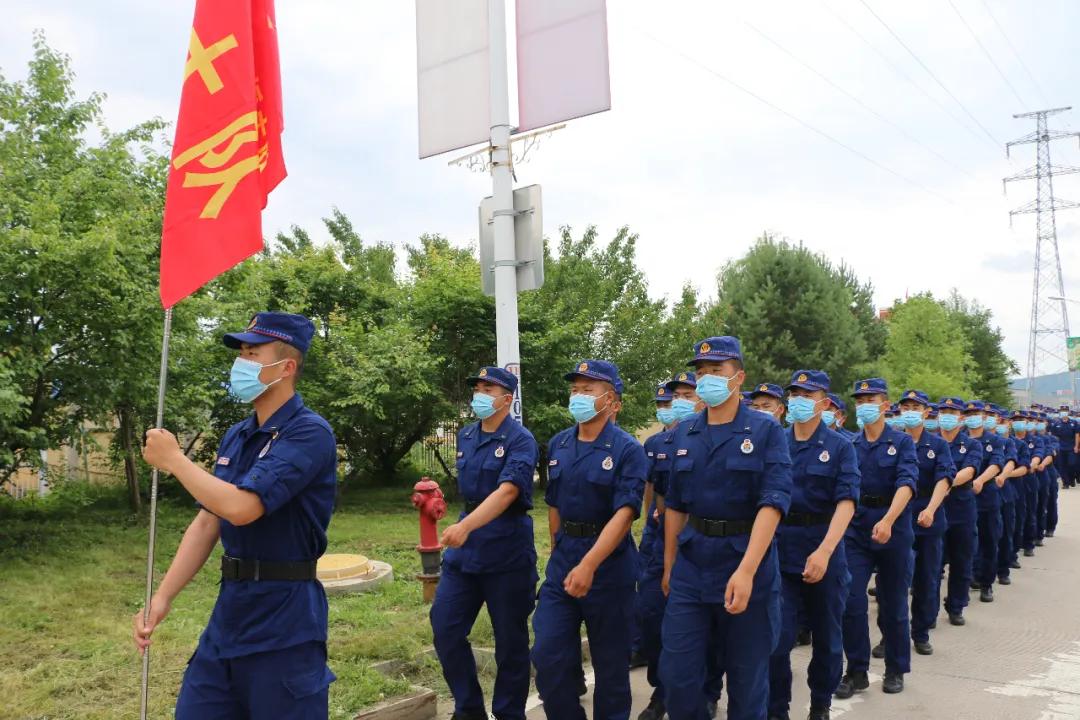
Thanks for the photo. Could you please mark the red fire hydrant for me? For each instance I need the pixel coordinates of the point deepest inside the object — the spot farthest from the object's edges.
(428, 499)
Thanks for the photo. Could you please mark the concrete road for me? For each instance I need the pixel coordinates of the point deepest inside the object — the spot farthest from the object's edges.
(1017, 658)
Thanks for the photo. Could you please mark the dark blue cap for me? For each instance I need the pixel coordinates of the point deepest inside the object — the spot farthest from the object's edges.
(933, 409)
(951, 402)
(975, 405)
(745, 396)
(295, 330)
(917, 396)
(1017, 415)
(893, 410)
(809, 380)
(663, 394)
(597, 370)
(495, 376)
(688, 379)
(871, 386)
(767, 389)
(717, 349)
(837, 402)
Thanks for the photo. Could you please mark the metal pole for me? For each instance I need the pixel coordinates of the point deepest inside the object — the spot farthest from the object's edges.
(508, 353)
(153, 510)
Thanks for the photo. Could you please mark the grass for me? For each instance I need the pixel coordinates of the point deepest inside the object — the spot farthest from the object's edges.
(72, 571)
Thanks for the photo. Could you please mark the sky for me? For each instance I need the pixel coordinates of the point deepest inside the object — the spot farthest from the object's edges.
(805, 118)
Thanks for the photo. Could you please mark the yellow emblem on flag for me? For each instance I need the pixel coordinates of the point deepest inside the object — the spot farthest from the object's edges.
(237, 134)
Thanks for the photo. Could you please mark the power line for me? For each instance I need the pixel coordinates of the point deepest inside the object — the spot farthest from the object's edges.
(856, 100)
(986, 53)
(929, 72)
(1016, 53)
(791, 116)
(896, 69)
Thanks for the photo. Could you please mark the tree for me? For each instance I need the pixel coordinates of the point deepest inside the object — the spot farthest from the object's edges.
(927, 349)
(79, 229)
(989, 372)
(792, 309)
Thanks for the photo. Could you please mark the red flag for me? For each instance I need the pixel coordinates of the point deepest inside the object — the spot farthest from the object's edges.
(226, 157)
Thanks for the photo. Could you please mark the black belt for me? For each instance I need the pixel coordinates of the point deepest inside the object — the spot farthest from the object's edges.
(514, 509)
(581, 529)
(239, 569)
(720, 528)
(875, 501)
(807, 519)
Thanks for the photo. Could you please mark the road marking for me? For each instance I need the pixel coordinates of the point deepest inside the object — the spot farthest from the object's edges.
(1060, 683)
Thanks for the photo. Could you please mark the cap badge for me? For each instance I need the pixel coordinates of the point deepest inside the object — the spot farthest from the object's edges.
(864, 386)
(583, 367)
(747, 447)
(824, 456)
(705, 347)
(682, 376)
(970, 406)
(911, 394)
(608, 463)
(660, 391)
(253, 323)
(764, 388)
(801, 378)
(482, 373)
(500, 451)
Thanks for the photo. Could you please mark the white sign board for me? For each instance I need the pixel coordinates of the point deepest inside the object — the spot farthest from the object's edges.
(453, 74)
(562, 61)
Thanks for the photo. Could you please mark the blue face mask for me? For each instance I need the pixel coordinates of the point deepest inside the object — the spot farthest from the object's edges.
(948, 422)
(867, 414)
(930, 424)
(666, 416)
(682, 408)
(583, 407)
(483, 406)
(1042, 427)
(801, 409)
(973, 422)
(990, 423)
(713, 389)
(828, 417)
(244, 382)
(911, 418)
(896, 423)
(1019, 426)
(1002, 429)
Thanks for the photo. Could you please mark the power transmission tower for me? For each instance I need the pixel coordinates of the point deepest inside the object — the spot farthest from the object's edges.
(1049, 314)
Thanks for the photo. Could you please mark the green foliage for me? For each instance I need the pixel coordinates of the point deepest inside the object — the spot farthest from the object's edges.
(792, 309)
(927, 350)
(990, 369)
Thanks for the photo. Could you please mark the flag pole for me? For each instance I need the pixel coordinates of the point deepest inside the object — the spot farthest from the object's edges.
(153, 510)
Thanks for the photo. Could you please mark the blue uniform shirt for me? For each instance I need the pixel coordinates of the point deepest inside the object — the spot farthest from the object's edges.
(1065, 431)
(993, 454)
(960, 505)
(935, 464)
(588, 482)
(887, 464)
(291, 464)
(824, 472)
(658, 452)
(1012, 452)
(726, 472)
(484, 462)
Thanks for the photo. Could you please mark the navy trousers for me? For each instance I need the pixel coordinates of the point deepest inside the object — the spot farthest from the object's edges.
(990, 530)
(288, 684)
(893, 563)
(509, 597)
(959, 546)
(821, 606)
(926, 584)
(1006, 548)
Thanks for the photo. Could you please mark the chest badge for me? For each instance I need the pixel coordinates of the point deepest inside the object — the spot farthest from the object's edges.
(460, 454)
(661, 456)
(963, 450)
(1031, 446)
(608, 463)
(931, 454)
(747, 447)
(553, 463)
(500, 451)
(989, 448)
(680, 452)
(891, 450)
(824, 456)
(222, 460)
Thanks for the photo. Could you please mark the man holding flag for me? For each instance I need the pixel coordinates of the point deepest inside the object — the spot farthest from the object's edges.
(270, 497)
